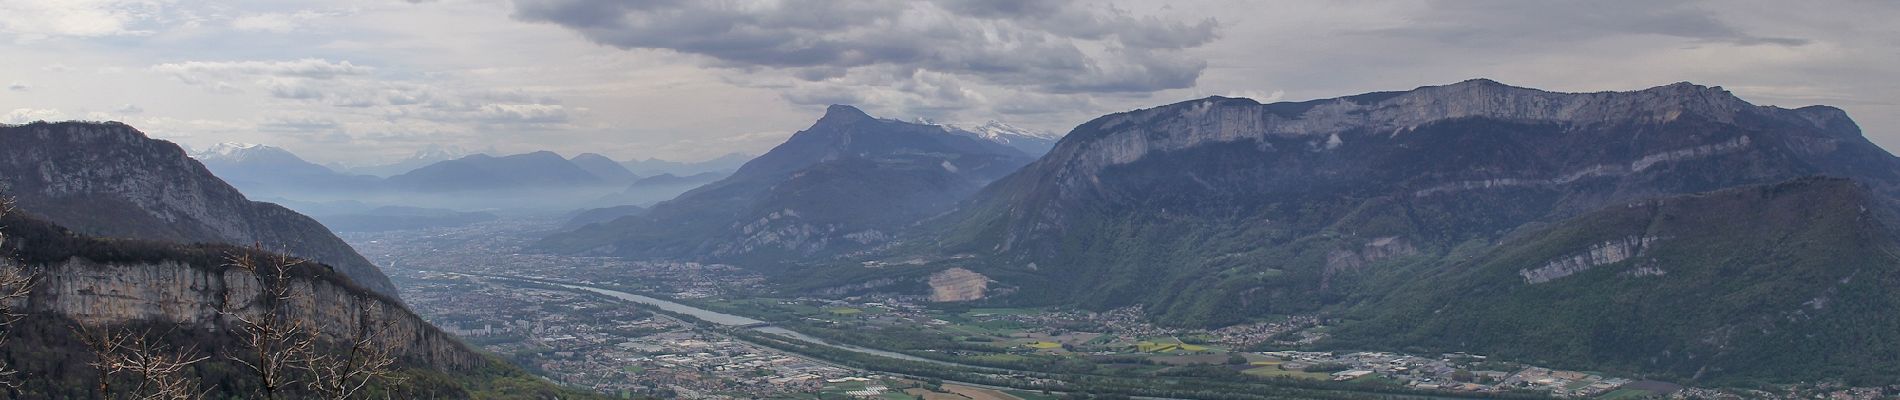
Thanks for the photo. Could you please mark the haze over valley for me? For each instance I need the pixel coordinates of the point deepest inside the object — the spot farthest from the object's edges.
(947, 199)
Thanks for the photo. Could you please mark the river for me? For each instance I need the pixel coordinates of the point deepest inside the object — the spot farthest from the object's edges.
(725, 319)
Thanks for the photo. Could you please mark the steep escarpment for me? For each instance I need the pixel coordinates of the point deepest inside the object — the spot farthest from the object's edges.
(190, 298)
(1779, 282)
(1219, 210)
(848, 183)
(108, 179)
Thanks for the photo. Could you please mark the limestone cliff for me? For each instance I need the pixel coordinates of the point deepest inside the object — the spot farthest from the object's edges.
(106, 283)
(192, 297)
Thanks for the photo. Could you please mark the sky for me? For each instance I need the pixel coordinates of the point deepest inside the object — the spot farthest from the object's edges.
(362, 82)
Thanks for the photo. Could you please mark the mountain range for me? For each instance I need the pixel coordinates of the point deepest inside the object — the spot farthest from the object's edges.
(1557, 226)
(1222, 211)
(541, 181)
(541, 169)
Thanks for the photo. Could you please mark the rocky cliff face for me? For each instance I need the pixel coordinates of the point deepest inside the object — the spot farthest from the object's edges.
(120, 283)
(108, 179)
(1597, 255)
(1126, 137)
(193, 297)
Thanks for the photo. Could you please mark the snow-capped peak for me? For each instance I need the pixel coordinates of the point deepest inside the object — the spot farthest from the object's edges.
(1030, 141)
(995, 128)
(228, 148)
(437, 152)
(232, 151)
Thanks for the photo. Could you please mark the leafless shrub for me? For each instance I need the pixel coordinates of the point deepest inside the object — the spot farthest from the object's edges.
(369, 355)
(159, 373)
(16, 283)
(276, 339)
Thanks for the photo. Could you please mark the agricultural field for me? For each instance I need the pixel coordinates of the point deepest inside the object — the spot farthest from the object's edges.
(1271, 369)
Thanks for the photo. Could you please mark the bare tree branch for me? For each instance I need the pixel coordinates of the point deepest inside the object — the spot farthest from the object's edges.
(369, 357)
(104, 344)
(277, 339)
(16, 283)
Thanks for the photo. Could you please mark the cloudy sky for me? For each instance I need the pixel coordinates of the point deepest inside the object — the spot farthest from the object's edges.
(366, 81)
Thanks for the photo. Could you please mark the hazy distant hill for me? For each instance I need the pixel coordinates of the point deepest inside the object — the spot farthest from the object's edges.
(265, 171)
(654, 166)
(600, 215)
(542, 169)
(430, 154)
(389, 218)
(604, 168)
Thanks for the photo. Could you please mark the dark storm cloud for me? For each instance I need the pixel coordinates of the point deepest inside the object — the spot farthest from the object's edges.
(1055, 46)
(1520, 23)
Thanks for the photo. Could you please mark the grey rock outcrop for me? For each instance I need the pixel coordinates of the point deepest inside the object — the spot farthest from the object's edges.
(195, 296)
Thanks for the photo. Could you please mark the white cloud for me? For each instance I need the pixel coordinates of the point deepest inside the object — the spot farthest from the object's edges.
(1259, 96)
(37, 19)
(312, 68)
(275, 22)
(524, 113)
(395, 76)
(25, 115)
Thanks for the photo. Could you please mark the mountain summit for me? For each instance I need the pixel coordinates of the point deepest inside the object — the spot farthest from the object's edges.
(848, 182)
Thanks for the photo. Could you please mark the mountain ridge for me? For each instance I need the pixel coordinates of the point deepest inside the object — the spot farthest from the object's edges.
(109, 179)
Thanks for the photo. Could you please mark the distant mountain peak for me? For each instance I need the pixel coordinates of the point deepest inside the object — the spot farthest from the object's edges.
(1033, 142)
(438, 152)
(228, 147)
(233, 152)
(839, 113)
(227, 150)
(1481, 82)
(994, 128)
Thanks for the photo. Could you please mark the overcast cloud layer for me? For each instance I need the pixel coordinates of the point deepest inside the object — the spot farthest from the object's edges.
(361, 82)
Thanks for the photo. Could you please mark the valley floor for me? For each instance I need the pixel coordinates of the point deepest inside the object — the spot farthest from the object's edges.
(581, 339)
